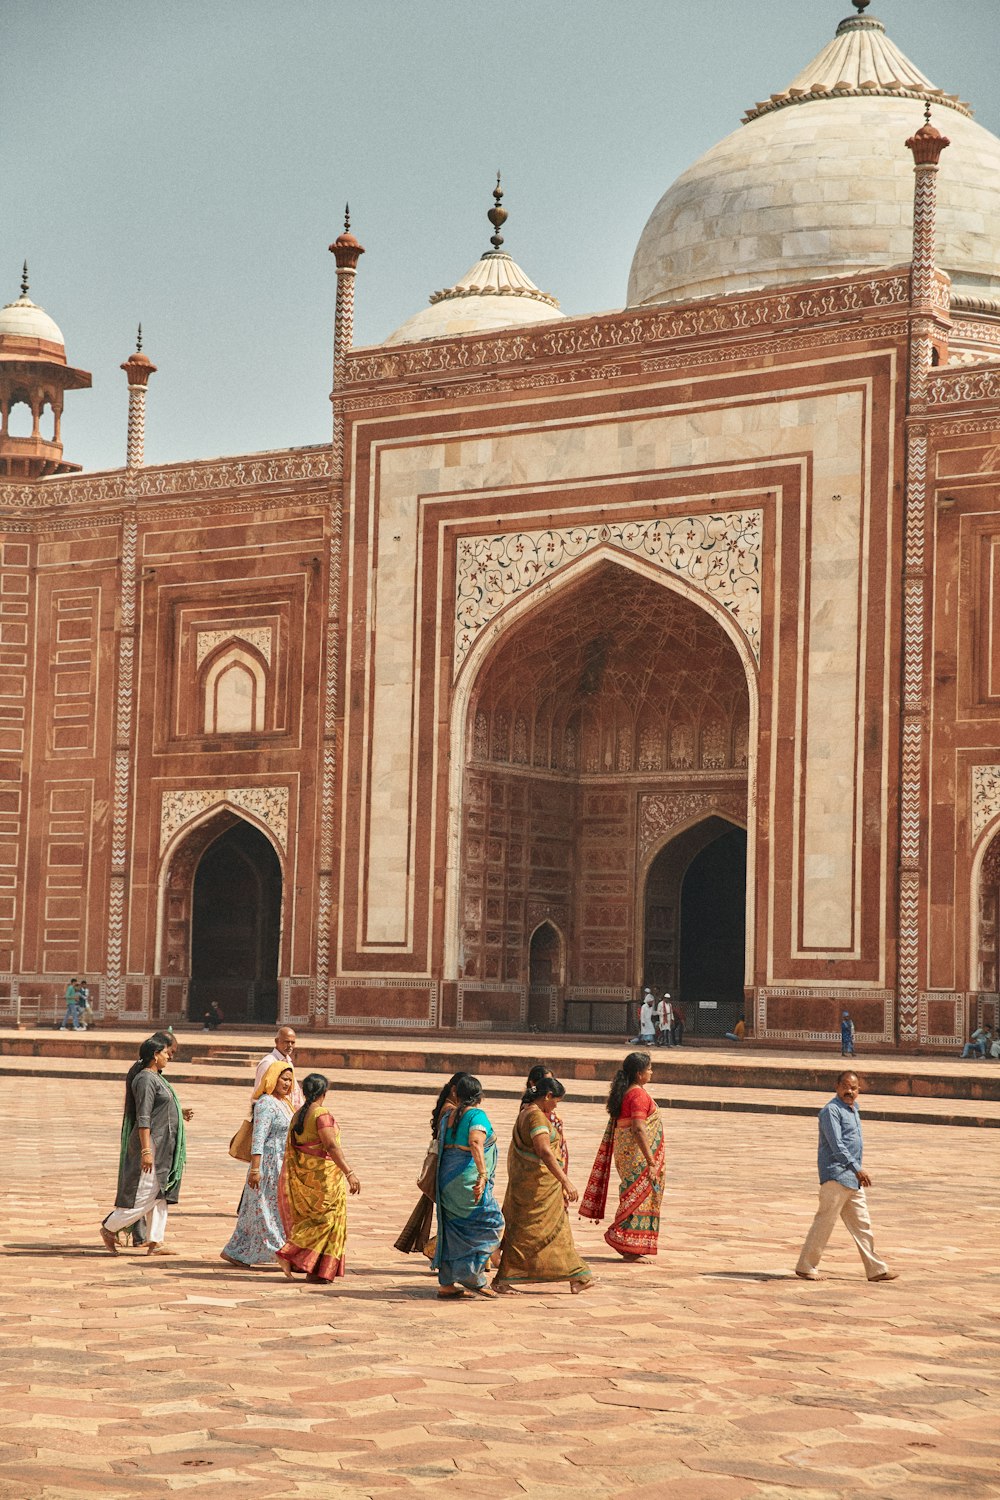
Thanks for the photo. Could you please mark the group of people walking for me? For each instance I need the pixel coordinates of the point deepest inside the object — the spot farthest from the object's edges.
(293, 1208)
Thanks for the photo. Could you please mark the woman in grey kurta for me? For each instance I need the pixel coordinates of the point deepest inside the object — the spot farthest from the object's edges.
(146, 1166)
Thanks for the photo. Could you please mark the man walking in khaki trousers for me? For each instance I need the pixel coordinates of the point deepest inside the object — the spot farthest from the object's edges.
(842, 1183)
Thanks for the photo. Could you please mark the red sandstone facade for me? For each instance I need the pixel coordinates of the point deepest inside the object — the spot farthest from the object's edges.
(431, 727)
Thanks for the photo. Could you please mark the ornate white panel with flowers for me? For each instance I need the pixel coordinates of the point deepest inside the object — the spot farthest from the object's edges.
(719, 555)
(985, 797)
(268, 804)
(259, 636)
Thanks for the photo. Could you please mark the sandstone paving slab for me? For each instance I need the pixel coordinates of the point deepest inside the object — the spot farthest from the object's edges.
(373, 1387)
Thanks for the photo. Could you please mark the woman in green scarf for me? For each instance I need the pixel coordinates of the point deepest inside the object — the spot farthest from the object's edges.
(137, 1232)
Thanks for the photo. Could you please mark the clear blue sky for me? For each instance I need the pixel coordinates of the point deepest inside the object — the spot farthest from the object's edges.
(186, 162)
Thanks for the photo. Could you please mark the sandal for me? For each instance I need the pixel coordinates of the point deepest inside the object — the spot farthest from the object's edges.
(450, 1293)
(110, 1243)
(582, 1284)
(483, 1291)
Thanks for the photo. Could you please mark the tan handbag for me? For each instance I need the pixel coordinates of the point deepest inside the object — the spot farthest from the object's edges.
(427, 1180)
(239, 1146)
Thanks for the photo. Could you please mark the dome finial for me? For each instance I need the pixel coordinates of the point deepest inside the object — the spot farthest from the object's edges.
(347, 217)
(861, 6)
(138, 340)
(24, 279)
(497, 216)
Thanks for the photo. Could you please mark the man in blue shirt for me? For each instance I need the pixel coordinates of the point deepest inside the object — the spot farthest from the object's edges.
(842, 1183)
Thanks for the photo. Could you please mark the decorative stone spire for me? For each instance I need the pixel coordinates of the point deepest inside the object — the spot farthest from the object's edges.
(138, 370)
(346, 251)
(497, 216)
(24, 279)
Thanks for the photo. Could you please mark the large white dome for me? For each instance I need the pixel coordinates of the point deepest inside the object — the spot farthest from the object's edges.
(24, 319)
(819, 184)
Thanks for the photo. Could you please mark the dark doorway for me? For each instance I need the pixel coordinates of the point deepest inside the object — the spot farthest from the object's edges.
(713, 933)
(236, 928)
(544, 976)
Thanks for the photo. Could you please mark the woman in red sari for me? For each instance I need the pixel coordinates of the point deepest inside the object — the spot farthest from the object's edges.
(633, 1139)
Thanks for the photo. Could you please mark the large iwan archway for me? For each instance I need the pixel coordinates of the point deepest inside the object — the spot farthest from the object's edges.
(236, 927)
(603, 704)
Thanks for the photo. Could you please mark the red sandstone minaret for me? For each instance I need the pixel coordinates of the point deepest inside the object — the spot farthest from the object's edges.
(138, 369)
(347, 252)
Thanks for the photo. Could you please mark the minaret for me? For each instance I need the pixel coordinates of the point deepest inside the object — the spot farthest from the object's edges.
(138, 369)
(929, 322)
(347, 252)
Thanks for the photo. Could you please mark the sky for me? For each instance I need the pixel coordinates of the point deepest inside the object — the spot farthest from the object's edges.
(185, 164)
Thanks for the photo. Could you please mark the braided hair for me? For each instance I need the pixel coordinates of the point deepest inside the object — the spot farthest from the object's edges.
(442, 1100)
(537, 1091)
(147, 1051)
(634, 1064)
(314, 1086)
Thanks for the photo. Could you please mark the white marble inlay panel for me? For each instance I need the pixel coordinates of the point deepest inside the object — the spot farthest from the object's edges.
(985, 797)
(258, 636)
(268, 804)
(717, 554)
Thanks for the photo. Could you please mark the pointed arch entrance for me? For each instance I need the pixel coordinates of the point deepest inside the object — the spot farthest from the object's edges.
(545, 976)
(612, 691)
(221, 934)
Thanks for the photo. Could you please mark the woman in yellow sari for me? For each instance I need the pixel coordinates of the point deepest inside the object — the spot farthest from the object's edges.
(538, 1241)
(312, 1192)
(634, 1139)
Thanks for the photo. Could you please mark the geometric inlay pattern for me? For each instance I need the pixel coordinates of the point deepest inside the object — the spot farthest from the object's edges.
(268, 804)
(719, 555)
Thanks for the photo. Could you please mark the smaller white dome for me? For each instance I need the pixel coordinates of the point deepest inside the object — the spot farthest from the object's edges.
(24, 319)
(494, 293)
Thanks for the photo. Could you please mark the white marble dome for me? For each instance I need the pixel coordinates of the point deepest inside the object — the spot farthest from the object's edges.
(818, 183)
(24, 319)
(494, 293)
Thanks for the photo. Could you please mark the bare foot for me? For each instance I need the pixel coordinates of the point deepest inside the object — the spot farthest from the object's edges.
(582, 1284)
(158, 1249)
(286, 1268)
(449, 1293)
(110, 1243)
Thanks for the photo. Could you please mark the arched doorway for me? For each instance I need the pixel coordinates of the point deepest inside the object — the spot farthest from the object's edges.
(694, 929)
(545, 960)
(713, 934)
(236, 927)
(613, 702)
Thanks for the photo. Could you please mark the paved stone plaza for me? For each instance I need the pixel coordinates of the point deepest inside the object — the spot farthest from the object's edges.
(711, 1374)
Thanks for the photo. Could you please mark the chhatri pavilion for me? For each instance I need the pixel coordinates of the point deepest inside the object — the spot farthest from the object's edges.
(648, 647)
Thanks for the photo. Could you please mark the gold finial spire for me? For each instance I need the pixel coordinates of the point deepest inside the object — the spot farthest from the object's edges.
(24, 279)
(497, 216)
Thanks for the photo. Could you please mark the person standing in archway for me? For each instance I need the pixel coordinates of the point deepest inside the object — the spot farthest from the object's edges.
(665, 1021)
(680, 1020)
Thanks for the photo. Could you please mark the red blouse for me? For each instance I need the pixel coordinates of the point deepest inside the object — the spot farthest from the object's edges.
(637, 1103)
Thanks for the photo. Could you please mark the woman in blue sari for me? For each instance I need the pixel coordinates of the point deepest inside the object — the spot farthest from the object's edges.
(470, 1224)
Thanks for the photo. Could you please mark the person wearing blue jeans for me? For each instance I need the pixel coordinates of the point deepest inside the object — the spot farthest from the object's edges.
(979, 1043)
(72, 1015)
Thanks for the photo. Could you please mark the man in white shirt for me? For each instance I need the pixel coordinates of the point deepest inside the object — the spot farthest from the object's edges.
(283, 1051)
(647, 1025)
(665, 1021)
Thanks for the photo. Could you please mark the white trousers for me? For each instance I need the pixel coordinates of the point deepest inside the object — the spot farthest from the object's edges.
(839, 1202)
(147, 1206)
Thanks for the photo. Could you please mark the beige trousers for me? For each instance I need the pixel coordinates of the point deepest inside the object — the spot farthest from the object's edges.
(839, 1202)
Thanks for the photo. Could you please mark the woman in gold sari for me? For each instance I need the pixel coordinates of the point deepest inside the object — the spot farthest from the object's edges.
(312, 1191)
(538, 1241)
(634, 1139)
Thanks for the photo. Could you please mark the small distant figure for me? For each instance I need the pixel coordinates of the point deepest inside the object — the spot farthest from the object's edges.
(72, 997)
(680, 1021)
(665, 1021)
(842, 1183)
(739, 1031)
(979, 1043)
(846, 1035)
(84, 1010)
(647, 1023)
(213, 1017)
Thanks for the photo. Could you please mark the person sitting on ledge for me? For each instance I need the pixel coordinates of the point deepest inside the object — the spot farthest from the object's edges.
(213, 1017)
(739, 1031)
(979, 1042)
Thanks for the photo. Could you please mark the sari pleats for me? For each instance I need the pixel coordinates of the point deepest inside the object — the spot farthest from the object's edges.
(312, 1198)
(636, 1226)
(538, 1241)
